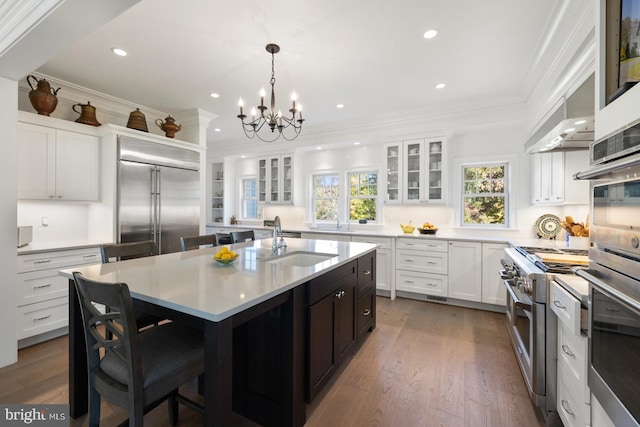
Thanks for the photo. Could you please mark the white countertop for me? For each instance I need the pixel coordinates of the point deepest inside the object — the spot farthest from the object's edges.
(37, 247)
(194, 283)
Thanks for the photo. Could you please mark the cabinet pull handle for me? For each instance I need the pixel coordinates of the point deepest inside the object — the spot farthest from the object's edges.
(367, 272)
(431, 262)
(409, 281)
(565, 406)
(42, 262)
(341, 294)
(613, 310)
(366, 312)
(89, 256)
(567, 351)
(431, 284)
(409, 260)
(42, 318)
(59, 196)
(42, 286)
(409, 244)
(559, 305)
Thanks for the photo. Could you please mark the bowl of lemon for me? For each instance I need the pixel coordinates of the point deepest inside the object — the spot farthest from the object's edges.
(225, 256)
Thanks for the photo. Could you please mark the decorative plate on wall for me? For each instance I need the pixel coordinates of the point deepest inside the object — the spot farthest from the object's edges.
(548, 226)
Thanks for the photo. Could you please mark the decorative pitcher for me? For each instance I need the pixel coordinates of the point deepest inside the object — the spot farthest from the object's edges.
(87, 114)
(42, 97)
(169, 126)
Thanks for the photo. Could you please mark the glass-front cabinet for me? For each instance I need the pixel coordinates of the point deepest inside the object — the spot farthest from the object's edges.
(275, 180)
(415, 171)
(217, 192)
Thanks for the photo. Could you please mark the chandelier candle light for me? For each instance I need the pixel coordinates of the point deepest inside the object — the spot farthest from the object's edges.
(275, 121)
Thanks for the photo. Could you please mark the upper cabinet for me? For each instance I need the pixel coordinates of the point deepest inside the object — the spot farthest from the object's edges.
(56, 164)
(275, 179)
(415, 171)
(552, 178)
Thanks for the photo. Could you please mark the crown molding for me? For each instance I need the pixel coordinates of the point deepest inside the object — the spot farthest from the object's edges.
(18, 17)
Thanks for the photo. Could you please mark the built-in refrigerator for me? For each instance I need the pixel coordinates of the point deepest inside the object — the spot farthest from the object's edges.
(158, 193)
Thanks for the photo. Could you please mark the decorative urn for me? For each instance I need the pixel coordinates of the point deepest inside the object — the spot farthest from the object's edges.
(42, 97)
(169, 126)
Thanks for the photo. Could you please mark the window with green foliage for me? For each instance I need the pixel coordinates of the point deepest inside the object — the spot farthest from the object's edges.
(485, 198)
(249, 198)
(325, 196)
(363, 195)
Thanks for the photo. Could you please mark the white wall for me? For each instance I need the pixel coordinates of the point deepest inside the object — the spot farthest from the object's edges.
(67, 221)
(8, 236)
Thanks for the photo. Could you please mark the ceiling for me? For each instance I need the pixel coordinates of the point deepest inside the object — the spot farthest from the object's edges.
(368, 55)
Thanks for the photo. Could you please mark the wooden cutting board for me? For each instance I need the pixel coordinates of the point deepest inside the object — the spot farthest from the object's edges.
(563, 258)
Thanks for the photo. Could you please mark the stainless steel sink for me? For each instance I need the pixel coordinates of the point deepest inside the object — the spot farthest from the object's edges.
(299, 258)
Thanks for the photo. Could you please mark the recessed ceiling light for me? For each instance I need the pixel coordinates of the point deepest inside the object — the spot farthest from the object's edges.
(318, 148)
(356, 143)
(340, 106)
(580, 122)
(243, 157)
(216, 130)
(440, 86)
(118, 51)
(429, 34)
(214, 95)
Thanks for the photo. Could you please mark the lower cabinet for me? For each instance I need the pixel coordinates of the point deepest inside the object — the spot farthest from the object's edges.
(465, 270)
(42, 294)
(341, 311)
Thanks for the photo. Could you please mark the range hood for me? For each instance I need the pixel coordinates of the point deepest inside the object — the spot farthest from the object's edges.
(570, 126)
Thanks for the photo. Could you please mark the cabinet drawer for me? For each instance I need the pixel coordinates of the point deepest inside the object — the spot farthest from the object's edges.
(566, 307)
(421, 283)
(39, 286)
(332, 280)
(366, 272)
(425, 262)
(365, 315)
(382, 242)
(57, 259)
(572, 355)
(431, 245)
(572, 410)
(34, 319)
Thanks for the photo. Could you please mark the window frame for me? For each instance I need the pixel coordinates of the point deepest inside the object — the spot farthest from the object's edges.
(313, 176)
(511, 166)
(243, 197)
(376, 198)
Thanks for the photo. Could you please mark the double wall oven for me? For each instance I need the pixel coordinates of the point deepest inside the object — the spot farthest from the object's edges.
(531, 323)
(614, 289)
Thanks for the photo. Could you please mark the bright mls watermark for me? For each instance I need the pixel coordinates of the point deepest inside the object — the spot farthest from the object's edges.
(34, 415)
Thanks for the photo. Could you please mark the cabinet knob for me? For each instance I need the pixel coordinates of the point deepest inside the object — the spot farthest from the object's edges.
(51, 196)
(367, 272)
(366, 312)
(59, 197)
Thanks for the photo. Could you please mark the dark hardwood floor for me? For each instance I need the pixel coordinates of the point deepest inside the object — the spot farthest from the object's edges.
(426, 364)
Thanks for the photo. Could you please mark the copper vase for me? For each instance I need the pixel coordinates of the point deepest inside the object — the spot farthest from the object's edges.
(42, 97)
(87, 114)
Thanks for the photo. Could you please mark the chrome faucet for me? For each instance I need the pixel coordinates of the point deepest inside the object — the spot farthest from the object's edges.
(337, 222)
(277, 230)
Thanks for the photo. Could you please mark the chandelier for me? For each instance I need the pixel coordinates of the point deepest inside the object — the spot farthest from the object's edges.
(274, 121)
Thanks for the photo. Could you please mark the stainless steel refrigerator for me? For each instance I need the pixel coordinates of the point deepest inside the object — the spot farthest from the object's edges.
(158, 193)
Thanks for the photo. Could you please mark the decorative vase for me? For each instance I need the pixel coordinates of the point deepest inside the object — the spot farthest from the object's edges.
(169, 126)
(42, 97)
(87, 114)
(137, 121)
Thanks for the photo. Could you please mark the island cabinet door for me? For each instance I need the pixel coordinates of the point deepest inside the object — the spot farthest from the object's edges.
(323, 355)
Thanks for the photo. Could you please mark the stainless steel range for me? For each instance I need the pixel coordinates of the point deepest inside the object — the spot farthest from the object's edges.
(531, 324)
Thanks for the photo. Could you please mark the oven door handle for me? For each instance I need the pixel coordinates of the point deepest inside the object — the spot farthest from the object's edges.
(589, 277)
(517, 301)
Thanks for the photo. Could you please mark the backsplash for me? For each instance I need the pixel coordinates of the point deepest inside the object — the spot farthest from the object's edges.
(66, 221)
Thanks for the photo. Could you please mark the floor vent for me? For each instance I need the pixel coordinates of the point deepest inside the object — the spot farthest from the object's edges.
(436, 298)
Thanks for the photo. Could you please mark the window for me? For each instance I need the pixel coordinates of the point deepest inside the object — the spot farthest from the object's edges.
(363, 195)
(249, 198)
(484, 195)
(325, 196)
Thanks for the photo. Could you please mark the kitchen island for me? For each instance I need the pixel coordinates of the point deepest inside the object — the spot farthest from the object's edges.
(254, 314)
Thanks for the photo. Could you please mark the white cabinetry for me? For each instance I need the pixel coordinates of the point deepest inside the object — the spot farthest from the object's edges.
(385, 262)
(574, 396)
(465, 270)
(548, 178)
(56, 164)
(421, 266)
(576, 192)
(493, 290)
(275, 180)
(42, 295)
(217, 192)
(341, 237)
(415, 171)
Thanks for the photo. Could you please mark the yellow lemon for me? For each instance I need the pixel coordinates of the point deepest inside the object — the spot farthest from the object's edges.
(232, 254)
(225, 256)
(217, 255)
(224, 250)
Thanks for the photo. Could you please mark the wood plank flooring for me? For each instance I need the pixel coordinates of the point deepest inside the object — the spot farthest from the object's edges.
(426, 364)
